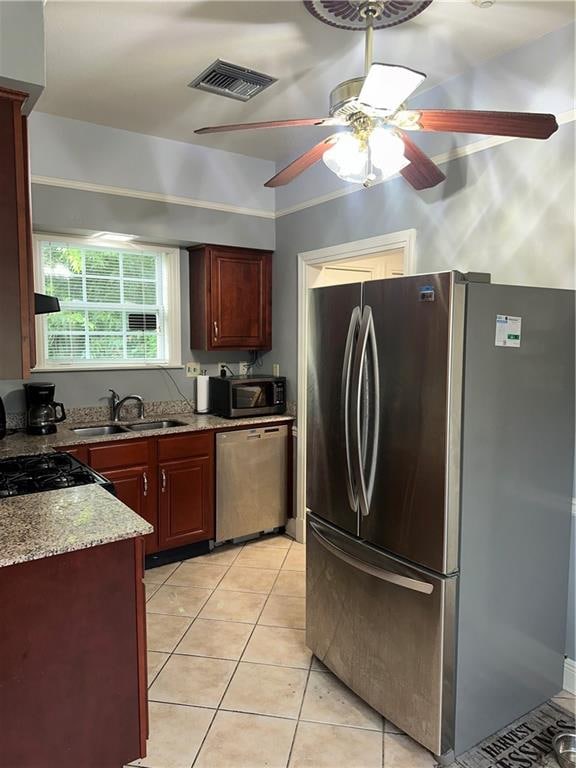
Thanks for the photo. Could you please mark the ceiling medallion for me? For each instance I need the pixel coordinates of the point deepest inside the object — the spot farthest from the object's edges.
(351, 14)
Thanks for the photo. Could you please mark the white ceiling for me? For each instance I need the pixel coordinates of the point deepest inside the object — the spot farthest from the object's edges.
(127, 64)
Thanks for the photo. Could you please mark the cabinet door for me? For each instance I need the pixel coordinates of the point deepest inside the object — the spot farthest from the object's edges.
(186, 509)
(240, 299)
(136, 487)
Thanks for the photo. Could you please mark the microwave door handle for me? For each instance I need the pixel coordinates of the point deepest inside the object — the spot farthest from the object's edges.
(372, 570)
(345, 404)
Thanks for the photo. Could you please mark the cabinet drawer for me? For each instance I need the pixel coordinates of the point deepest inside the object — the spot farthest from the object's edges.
(125, 453)
(185, 446)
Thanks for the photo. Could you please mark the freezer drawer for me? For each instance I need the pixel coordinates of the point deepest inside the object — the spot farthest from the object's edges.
(251, 481)
(385, 629)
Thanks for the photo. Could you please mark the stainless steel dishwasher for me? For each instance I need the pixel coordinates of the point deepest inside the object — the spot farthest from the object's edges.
(251, 477)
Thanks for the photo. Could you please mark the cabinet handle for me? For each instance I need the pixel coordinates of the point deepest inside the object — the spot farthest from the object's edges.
(145, 479)
(163, 481)
(215, 329)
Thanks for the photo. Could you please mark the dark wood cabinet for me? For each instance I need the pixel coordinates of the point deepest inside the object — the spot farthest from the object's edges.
(73, 649)
(186, 508)
(17, 344)
(169, 481)
(230, 298)
(136, 487)
(131, 466)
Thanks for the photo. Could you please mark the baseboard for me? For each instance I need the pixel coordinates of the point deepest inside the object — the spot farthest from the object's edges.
(570, 675)
(295, 527)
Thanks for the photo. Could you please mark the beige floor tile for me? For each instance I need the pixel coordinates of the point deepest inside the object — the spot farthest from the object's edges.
(318, 666)
(278, 645)
(327, 746)
(281, 611)
(237, 740)
(176, 734)
(569, 704)
(178, 601)
(155, 662)
(295, 559)
(192, 680)
(224, 555)
(248, 579)
(165, 632)
(565, 695)
(160, 574)
(233, 606)
(277, 542)
(261, 557)
(150, 589)
(327, 700)
(265, 690)
(218, 639)
(291, 583)
(194, 574)
(404, 752)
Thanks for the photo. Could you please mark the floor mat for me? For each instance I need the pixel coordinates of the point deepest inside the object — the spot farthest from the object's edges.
(523, 744)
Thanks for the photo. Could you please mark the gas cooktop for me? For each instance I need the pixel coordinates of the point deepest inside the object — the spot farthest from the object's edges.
(45, 472)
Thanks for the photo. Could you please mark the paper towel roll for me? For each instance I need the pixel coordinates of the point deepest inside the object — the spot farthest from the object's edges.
(202, 394)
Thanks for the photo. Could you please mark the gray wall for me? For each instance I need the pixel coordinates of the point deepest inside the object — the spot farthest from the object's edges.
(72, 149)
(22, 66)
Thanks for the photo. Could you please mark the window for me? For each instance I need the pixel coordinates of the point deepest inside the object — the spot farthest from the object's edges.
(120, 304)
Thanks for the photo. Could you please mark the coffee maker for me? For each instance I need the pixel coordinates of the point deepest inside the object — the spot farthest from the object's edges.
(41, 410)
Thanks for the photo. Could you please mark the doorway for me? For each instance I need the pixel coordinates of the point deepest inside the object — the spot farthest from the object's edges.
(386, 256)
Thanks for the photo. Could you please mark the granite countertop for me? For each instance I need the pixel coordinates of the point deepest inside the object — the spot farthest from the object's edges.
(40, 525)
(20, 443)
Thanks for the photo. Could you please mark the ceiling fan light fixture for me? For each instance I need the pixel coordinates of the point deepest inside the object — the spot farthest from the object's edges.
(387, 153)
(387, 86)
(368, 162)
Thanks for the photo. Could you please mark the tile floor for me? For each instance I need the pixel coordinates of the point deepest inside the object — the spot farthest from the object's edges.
(231, 682)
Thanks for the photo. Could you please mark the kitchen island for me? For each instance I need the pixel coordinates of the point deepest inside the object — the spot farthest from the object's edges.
(72, 638)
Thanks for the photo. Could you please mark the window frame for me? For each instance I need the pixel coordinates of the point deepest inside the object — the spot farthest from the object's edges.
(171, 300)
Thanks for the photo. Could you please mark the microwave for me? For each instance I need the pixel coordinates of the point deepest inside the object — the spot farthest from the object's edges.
(236, 396)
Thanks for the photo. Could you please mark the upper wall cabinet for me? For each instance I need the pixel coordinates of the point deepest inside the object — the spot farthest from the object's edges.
(17, 283)
(230, 298)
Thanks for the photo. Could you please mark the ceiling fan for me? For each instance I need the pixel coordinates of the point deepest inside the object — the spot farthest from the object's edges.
(374, 144)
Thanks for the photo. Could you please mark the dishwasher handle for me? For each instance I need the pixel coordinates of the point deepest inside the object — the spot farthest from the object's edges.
(247, 435)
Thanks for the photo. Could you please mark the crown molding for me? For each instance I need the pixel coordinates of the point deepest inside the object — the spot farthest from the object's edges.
(85, 186)
(445, 157)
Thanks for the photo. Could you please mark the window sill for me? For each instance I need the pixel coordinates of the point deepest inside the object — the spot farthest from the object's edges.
(93, 368)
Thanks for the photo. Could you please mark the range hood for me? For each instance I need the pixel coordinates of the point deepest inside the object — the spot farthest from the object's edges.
(43, 304)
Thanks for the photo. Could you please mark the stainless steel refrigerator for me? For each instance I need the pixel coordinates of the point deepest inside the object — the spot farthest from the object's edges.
(440, 456)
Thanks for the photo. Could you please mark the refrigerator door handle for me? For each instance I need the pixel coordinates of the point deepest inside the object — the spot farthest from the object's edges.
(345, 400)
(367, 334)
(380, 573)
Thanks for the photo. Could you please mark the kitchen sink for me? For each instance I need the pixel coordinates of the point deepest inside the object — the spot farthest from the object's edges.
(143, 425)
(108, 429)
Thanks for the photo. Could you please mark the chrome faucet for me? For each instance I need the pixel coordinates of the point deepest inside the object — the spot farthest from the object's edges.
(116, 404)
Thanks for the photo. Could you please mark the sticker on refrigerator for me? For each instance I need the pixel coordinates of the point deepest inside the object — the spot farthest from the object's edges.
(508, 331)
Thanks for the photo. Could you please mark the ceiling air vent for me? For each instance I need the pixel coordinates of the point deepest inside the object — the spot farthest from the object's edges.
(232, 81)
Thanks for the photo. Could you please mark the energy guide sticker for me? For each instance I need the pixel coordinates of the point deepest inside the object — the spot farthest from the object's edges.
(508, 331)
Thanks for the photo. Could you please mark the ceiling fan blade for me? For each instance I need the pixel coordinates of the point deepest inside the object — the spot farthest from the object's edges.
(422, 173)
(525, 125)
(387, 86)
(272, 124)
(286, 175)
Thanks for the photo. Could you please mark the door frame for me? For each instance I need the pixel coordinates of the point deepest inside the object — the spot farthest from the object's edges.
(404, 239)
